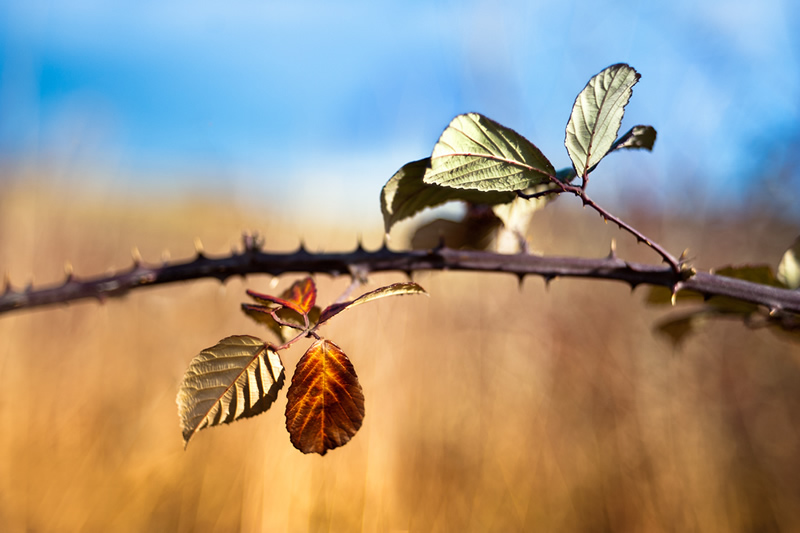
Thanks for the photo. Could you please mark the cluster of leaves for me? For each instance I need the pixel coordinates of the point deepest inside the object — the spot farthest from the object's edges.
(678, 328)
(478, 161)
(493, 169)
(240, 376)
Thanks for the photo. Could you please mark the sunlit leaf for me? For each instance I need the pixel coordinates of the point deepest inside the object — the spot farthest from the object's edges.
(597, 116)
(406, 194)
(303, 293)
(394, 289)
(475, 152)
(238, 378)
(325, 403)
(637, 138)
(789, 268)
(274, 301)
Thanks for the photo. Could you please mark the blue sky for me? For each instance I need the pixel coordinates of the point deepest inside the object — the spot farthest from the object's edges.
(261, 99)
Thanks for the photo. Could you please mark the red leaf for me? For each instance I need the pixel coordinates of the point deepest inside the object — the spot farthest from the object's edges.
(300, 297)
(325, 405)
(303, 293)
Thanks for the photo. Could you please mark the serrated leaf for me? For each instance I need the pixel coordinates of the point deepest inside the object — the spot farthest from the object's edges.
(637, 138)
(303, 293)
(406, 194)
(475, 152)
(597, 115)
(395, 289)
(237, 378)
(274, 302)
(325, 403)
(789, 267)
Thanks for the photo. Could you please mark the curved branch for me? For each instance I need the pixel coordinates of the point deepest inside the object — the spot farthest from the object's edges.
(255, 261)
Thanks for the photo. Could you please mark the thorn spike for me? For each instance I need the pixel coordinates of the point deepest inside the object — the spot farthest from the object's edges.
(136, 255)
(68, 272)
(6, 283)
(198, 247)
(612, 254)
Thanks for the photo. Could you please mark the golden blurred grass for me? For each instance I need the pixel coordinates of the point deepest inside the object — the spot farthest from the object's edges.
(490, 407)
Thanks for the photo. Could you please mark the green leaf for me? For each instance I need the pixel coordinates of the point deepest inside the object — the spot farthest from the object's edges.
(238, 378)
(597, 115)
(789, 268)
(395, 289)
(475, 152)
(406, 194)
(637, 138)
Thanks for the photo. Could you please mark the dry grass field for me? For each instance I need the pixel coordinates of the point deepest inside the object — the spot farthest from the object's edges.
(490, 407)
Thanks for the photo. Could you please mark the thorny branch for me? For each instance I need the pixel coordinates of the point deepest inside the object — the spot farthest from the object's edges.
(580, 192)
(253, 260)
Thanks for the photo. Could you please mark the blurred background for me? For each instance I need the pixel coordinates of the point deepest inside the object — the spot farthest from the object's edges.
(490, 406)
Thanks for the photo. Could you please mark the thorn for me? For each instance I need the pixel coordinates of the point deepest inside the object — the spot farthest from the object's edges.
(136, 255)
(520, 280)
(410, 275)
(774, 311)
(441, 246)
(612, 254)
(385, 243)
(165, 257)
(6, 283)
(634, 284)
(68, 272)
(547, 280)
(302, 248)
(360, 244)
(674, 298)
(198, 247)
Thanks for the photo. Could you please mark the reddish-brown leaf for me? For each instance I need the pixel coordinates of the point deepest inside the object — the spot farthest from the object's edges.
(300, 297)
(303, 293)
(325, 404)
(269, 300)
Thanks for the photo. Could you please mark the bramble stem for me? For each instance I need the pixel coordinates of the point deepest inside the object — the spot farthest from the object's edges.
(255, 261)
(580, 192)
